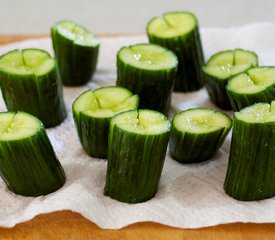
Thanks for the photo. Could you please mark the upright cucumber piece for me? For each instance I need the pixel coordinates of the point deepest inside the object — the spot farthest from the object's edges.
(137, 145)
(179, 32)
(92, 112)
(28, 164)
(197, 134)
(148, 70)
(251, 168)
(29, 83)
(253, 86)
(76, 51)
(222, 66)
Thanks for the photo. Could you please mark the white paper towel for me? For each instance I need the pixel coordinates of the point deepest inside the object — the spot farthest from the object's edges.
(189, 196)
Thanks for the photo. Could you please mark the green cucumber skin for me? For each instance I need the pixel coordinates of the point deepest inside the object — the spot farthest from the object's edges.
(29, 166)
(93, 134)
(76, 63)
(250, 173)
(40, 96)
(153, 87)
(240, 101)
(194, 148)
(133, 173)
(216, 89)
(188, 49)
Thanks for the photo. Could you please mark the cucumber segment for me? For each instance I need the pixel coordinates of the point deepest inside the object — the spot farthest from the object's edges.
(179, 32)
(29, 82)
(76, 51)
(197, 134)
(28, 164)
(148, 70)
(92, 112)
(220, 68)
(137, 146)
(255, 85)
(250, 173)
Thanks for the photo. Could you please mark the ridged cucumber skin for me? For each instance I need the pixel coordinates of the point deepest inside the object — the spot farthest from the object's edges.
(76, 63)
(41, 96)
(239, 101)
(216, 89)
(135, 165)
(154, 88)
(250, 173)
(188, 49)
(194, 148)
(29, 166)
(93, 134)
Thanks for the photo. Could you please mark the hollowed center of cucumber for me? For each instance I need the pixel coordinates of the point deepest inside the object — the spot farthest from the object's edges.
(257, 113)
(144, 122)
(201, 121)
(229, 63)
(253, 81)
(27, 61)
(105, 102)
(172, 24)
(148, 56)
(17, 125)
(78, 34)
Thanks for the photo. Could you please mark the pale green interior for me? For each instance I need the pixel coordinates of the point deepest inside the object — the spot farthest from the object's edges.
(78, 34)
(253, 81)
(105, 102)
(257, 113)
(229, 63)
(201, 121)
(148, 56)
(144, 122)
(17, 125)
(27, 61)
(172, 25)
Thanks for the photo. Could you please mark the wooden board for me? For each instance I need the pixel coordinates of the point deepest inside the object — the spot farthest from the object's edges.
(69, 225)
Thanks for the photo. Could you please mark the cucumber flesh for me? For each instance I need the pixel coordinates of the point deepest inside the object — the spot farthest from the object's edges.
(76, 33)
(253, 81)
(28, 61)
(225, 64)
(172, 25)
(145, 56)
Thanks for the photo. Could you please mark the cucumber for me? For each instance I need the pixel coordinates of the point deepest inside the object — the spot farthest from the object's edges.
(137, 146)
(92, 112)
(76, 51)
(251, 169)
(28, 164)
(220, 68)
(29, 83)
(148, 70)
(254, 85)
(179, 32)
(197, 134)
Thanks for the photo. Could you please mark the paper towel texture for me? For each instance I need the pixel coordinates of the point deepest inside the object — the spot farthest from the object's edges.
(189, 196)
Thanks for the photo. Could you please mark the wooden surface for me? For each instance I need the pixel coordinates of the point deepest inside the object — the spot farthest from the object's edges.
(69, 225)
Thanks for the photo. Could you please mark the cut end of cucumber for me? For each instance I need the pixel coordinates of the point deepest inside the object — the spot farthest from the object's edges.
(257, 113)
(143, 122)
(148, 56)
(27, 61)
(18, 125)
(105, 102)
(76, 33)
(225, 64)
(172, 24)
(253, 81)
(201, 121)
